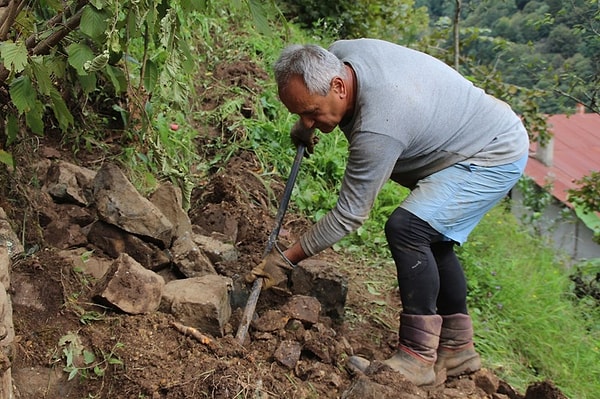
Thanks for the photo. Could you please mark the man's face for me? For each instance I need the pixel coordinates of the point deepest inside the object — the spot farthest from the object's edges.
(315, 111)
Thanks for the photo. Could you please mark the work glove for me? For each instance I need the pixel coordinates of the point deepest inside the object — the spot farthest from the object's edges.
(273, 269)
(301, 135)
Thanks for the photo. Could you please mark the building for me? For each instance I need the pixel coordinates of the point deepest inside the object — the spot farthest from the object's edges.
(572, 153)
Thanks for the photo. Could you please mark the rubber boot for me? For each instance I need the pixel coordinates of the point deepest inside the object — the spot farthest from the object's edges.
(417, 348)
(456, 352)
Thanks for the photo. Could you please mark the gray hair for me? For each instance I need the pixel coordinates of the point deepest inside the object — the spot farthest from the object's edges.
(316, 65)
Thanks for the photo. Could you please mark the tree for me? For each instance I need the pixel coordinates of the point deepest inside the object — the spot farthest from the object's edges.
(563, 40)
(56, 58)
(456, 33)
(397, 20)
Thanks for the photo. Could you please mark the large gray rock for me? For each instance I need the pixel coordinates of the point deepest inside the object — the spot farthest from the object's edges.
(7, 338)
(130, 287)
(115, 241)
(316, 278)
(69, 183)
(189, 259)
(9, 247)
(119, 203)
(216, 250)
(200, 302)
(167, 198)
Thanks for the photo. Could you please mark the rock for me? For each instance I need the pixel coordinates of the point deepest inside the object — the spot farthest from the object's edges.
(118, 203)
(114, 242)
(462, 386)
(288, 353)
(130, 287)
(5, 264)
(505, 389)
(295, 329)
(6, 384)
(69, 183)
(63, 224)
(43, 382)
(303, 308)
(83, 260)
(7, 329)
(168, 199)
(364, 388)
(323, 342)
(9, 246)
(7, 338)
(543, 390)
(216, 250)
(487, 381)
(75, 214)
(200, 302)
(8, 238)
(189, 259)
(63, 234)
(271, 320)
(318, 279)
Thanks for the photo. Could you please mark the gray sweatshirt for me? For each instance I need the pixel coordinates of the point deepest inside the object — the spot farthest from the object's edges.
(414, 115)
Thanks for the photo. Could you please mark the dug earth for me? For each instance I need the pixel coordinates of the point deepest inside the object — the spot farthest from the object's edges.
(132, 296)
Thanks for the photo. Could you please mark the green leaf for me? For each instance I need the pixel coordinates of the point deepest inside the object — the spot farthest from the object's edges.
(12, 129)
(7, 159)
(14, 55)
(93, 23)
(98, 371)
(72, 374)
(99, 4)
(189, 63)
(151, 76)
(61, 112)
(88, 82)
(56, 65)
(34, 119)
(194, 5)
(117, 77)
(88, 357)
(42, 75)
(79, 54)
(22, 94)
(259, 15)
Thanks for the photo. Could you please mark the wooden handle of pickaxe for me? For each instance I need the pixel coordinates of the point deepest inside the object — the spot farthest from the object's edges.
(257, 285)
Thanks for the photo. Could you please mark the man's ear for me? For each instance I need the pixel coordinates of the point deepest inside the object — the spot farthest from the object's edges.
(339, 86)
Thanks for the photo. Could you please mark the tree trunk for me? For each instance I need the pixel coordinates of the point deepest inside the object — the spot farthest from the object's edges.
(457, 33)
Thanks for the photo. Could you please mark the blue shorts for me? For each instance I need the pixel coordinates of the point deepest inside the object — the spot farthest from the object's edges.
(455, 199)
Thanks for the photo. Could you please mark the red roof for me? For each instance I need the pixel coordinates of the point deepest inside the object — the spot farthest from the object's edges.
(576, 153)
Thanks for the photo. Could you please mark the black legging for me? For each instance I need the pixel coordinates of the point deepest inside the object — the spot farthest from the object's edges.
(430, 277)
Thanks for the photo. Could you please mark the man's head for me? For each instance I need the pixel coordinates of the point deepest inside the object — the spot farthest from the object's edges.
(313, 83)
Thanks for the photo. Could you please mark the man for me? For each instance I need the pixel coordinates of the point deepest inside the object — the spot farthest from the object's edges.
(410, 118)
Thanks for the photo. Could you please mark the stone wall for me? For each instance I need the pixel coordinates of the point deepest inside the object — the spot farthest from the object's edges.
(9, 247)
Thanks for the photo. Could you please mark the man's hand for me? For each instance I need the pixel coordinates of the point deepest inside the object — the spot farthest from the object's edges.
(273, 269)
(300, 134)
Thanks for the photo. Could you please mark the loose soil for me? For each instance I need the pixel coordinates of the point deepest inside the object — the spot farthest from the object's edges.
(144, 356)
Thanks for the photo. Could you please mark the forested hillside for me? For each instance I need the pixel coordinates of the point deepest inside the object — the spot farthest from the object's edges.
(550, 45)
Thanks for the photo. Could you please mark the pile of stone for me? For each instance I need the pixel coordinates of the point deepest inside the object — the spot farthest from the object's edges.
(147, 257)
